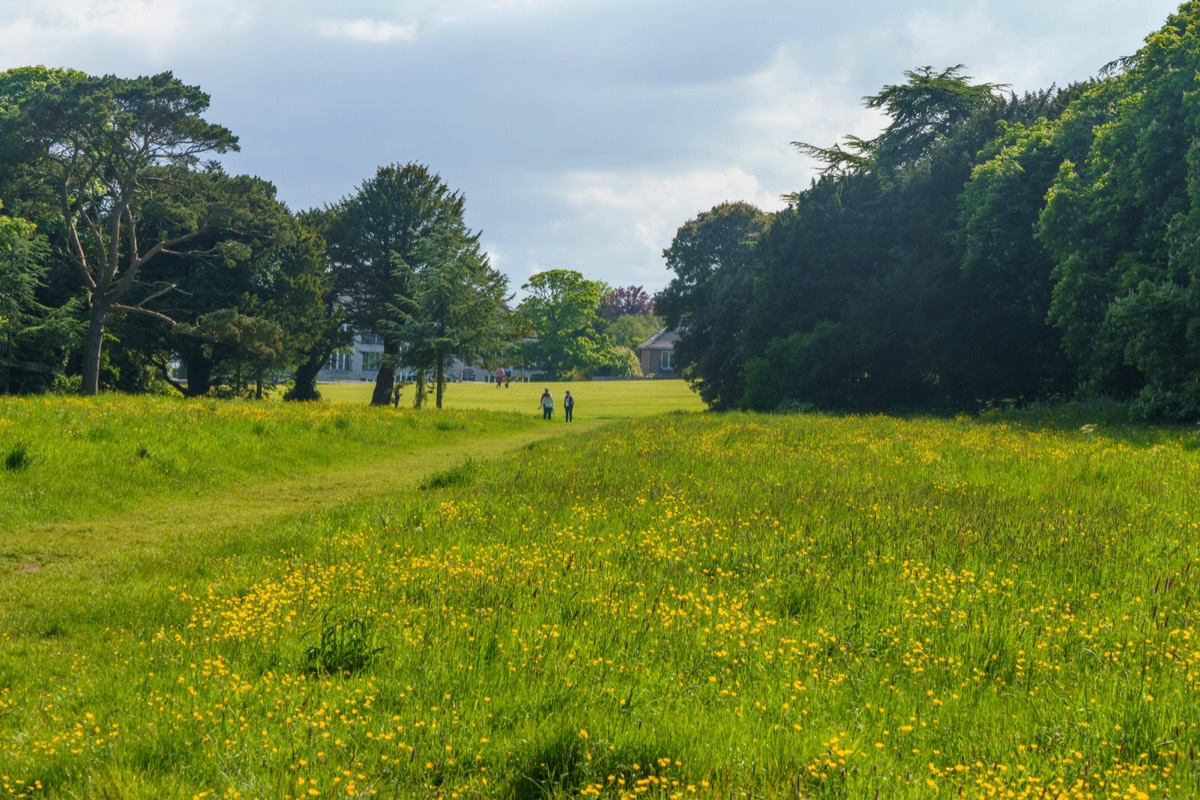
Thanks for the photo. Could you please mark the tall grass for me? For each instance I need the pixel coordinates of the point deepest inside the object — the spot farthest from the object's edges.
(683, 606)
(76, 458)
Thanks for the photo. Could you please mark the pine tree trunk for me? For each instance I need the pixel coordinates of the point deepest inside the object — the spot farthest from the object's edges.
(199, 376)
(419, 399)
(386, 378)
(441, 381)
(92, 350)
(304, 387)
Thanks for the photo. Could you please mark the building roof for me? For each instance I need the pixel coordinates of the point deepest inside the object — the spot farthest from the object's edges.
(663, 340)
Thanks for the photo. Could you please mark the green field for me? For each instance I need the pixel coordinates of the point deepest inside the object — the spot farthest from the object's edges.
(594, 400)
(678, 605)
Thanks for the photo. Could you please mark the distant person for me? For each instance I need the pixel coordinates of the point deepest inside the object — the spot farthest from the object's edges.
(568, 405)
(547, 404)
(507, 376)
(499, 377)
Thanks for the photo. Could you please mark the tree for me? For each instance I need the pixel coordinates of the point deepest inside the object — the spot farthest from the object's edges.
(108, 151)
(1012, 349)
(243, 344)
(390, 215)
(305, 301)
(1120, 225)
(708, 300)
(860, 301)
(455, 308)
(256, 266)
(626, 301)
(32, 336)
(924, 111)
(630, 330)
(561, 311)
(327, 329)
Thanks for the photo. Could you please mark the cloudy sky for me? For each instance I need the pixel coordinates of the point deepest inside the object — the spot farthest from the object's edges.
(582, 132)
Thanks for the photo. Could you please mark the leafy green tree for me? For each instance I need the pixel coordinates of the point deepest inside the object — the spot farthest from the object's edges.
(455, 307)
(630, 330)
(561, 311)
(327, 328)
(708, 301)
(244, 345)
(1120, 223)
(1012, 349)
(109, 152)
(860, 301)
(32, 336)
(925, 111)
(391, 214)
(625, 363)
(257, 261)
(304, 300)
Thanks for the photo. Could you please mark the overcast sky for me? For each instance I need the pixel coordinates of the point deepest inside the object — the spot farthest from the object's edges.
(582, 132)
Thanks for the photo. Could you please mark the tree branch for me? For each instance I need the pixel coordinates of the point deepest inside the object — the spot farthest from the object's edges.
(144, 312)
(165, 369)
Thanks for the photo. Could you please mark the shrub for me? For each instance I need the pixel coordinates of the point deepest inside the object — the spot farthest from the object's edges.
(346, 647)
(18, 457)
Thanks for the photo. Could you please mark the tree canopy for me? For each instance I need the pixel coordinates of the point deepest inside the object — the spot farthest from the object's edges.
(708, 301)
(982, 248)
(114, 157)
(394, 214)
(561, 312)
(455, 307)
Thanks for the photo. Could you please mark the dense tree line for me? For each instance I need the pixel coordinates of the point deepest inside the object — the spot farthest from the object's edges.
(124, 254)
(984, 247)
(130, 260)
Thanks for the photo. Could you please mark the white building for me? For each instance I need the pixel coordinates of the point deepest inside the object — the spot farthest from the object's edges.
(362, 359)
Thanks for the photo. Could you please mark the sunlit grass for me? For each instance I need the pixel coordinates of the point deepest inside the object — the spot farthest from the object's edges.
(682, 606)
(75, 458)
(594, 400)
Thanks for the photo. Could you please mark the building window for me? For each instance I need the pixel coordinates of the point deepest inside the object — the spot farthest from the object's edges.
(371, 362)
(341, 362)
(371, 338)
(665, 361)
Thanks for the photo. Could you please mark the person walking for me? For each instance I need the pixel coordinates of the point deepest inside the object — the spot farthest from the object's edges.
(568, 405)
(499, 377)
(547, 404)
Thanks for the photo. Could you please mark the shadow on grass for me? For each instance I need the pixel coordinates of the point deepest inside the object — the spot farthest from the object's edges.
(460, 475)
(566, 764)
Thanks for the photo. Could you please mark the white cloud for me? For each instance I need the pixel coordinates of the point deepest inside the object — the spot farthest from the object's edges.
(693, 190)
(110, 34)
(633, 215)
(785, 103)
(494, 253)
(366, 30)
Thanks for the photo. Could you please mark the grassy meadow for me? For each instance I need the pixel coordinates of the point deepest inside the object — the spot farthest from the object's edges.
(72, 458)
(677, 605)
(594, 400)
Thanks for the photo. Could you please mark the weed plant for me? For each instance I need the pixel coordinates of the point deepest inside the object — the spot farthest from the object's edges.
(347, 645)
(18, 457)
(683, 606)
